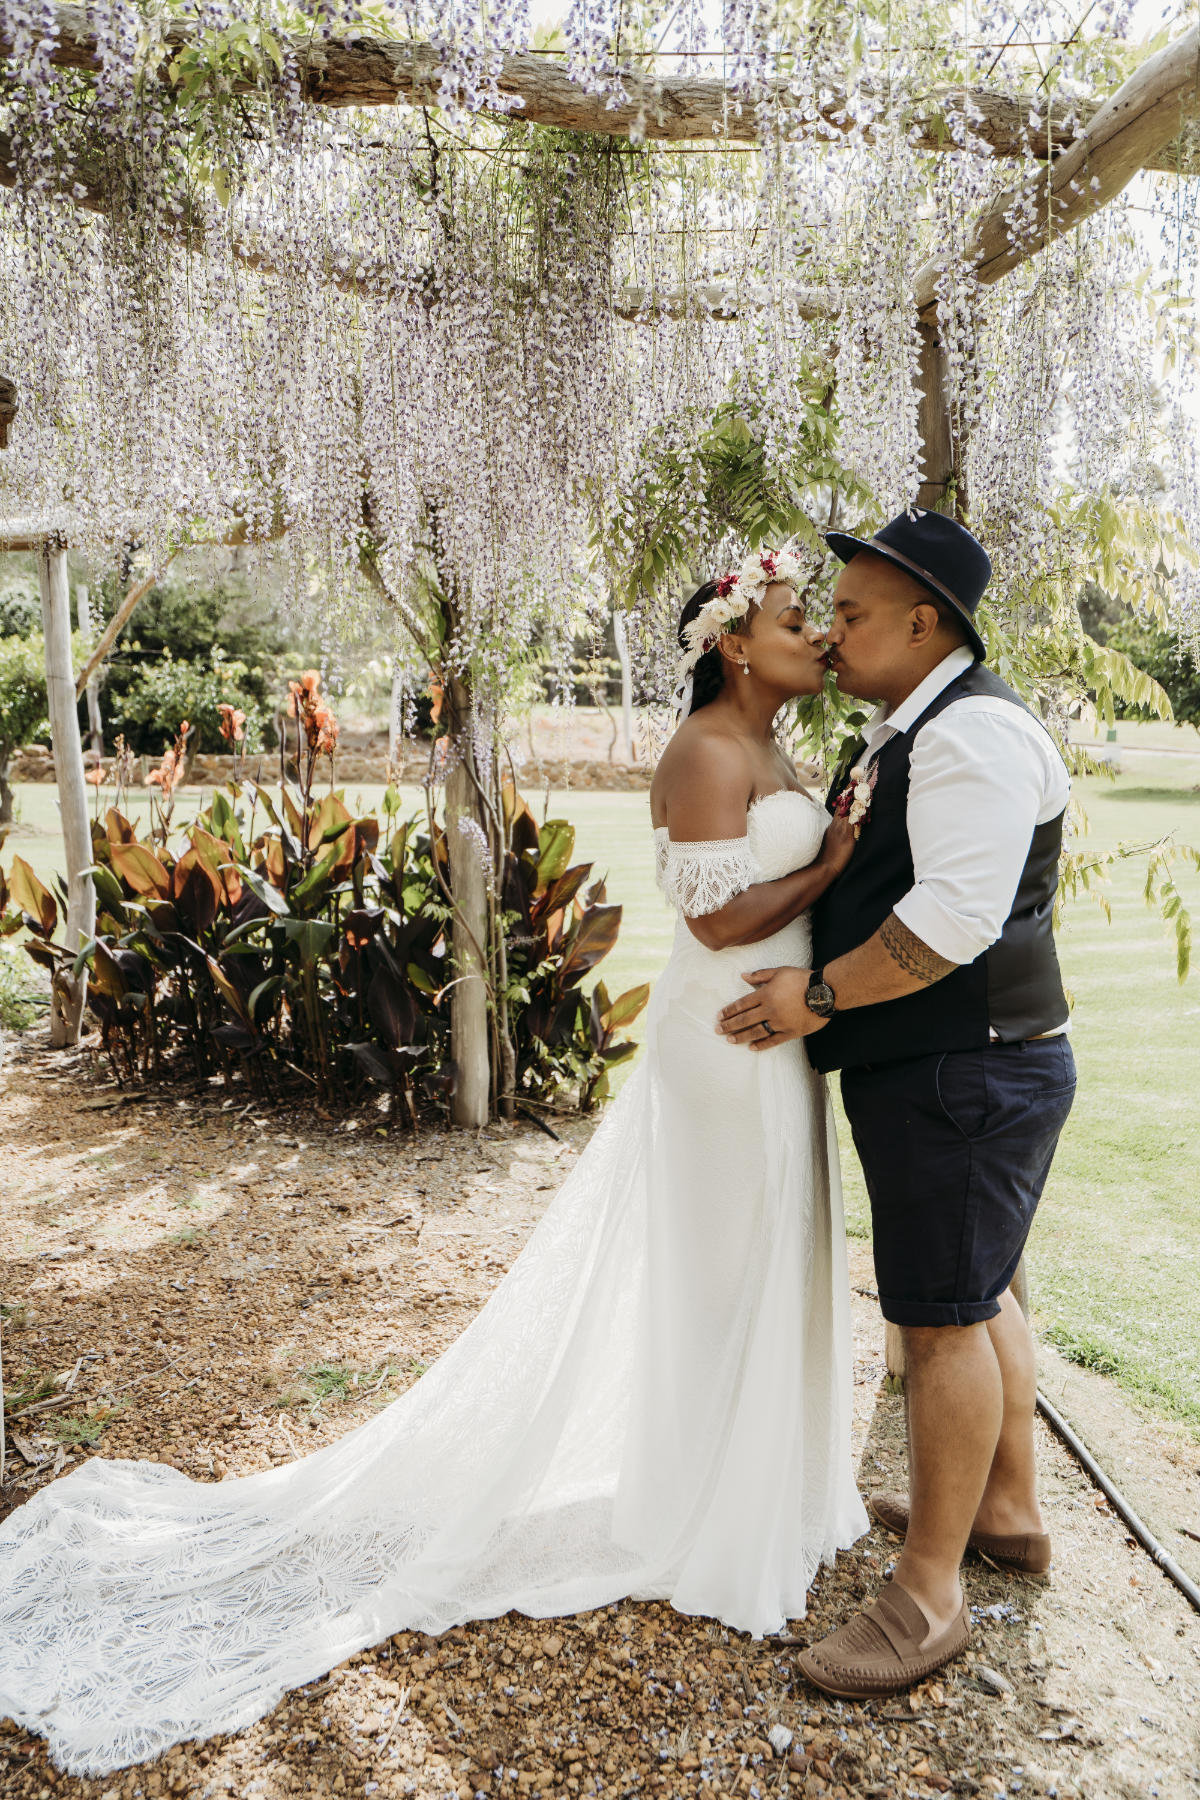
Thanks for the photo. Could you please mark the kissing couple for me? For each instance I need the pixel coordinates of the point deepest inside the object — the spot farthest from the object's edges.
(656, 1401)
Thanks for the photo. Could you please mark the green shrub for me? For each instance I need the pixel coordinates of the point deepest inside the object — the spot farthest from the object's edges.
(168, 691)
(180, 622)
(20, 614)
(1162, 656)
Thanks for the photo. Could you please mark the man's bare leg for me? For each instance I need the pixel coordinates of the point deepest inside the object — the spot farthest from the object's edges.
(1010, 1504)
(955, 1414)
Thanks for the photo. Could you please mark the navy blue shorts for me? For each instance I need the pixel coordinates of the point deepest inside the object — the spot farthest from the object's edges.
(956, 1149)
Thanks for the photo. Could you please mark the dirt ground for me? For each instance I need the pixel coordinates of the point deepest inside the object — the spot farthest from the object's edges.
(195, 1283)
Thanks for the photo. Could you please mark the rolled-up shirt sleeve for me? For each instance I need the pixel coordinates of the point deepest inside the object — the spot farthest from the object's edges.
(979, 784)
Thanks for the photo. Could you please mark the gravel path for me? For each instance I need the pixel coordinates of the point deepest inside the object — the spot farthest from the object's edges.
(222, 1291)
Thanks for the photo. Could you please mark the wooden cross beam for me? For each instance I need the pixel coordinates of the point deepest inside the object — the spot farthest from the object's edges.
(359, 70)
(1125, 136)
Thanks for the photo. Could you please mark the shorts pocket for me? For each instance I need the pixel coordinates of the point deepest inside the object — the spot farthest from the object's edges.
(962, 1089)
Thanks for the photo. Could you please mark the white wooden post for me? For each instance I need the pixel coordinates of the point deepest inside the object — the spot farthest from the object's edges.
(83, 613)
(69, 993)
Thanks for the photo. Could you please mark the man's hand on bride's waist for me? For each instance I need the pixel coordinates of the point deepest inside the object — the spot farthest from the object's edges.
(775, 1013)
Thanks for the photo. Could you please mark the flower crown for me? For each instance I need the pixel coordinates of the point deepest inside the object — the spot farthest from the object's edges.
(737, 591)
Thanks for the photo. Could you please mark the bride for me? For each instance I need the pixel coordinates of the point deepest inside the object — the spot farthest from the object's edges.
(654, 1403)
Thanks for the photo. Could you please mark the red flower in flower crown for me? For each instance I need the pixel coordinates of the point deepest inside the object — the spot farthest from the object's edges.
(726, 584)
(768, 561)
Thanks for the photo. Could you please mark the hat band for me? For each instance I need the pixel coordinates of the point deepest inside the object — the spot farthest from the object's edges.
(907, 563)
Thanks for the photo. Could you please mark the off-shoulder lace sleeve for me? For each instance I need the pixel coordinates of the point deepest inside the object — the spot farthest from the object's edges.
(702, 877)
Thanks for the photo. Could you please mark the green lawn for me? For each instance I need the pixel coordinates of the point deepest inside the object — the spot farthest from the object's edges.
(1115, 1255)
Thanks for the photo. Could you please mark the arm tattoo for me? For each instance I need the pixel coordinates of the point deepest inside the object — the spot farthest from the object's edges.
(911, 952)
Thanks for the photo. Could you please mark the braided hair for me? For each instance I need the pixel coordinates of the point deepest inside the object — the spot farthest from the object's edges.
(708, 676)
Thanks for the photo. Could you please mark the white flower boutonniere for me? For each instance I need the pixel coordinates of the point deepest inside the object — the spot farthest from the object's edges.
(854, 801)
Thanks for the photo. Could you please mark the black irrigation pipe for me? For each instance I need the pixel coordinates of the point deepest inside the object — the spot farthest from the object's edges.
(1116, 1498)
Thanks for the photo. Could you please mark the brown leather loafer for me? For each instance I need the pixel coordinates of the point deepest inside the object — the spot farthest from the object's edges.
(881, 1651)
(1027, 1555)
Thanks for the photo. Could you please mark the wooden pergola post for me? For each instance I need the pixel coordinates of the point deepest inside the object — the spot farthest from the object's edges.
(69, 990)
(941, 482)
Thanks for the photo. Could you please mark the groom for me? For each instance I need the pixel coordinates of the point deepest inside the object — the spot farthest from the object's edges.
(937, 994)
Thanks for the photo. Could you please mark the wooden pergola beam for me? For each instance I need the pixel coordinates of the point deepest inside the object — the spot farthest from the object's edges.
(32, 533)
(365, 71)
(1127, 133)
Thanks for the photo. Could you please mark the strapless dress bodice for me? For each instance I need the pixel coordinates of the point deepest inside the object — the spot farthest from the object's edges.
(784, 831)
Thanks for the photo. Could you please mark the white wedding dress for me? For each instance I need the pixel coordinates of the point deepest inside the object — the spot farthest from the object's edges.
(655, 1402)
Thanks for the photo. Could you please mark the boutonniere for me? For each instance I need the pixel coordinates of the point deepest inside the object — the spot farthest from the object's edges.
(854, 801)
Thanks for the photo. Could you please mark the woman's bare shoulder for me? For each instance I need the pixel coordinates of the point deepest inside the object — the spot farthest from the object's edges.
(702, 762)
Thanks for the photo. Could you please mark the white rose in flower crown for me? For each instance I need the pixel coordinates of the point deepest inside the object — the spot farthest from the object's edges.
(736, 594)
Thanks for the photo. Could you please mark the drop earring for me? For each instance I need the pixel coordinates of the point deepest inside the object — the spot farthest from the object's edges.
(745, 668)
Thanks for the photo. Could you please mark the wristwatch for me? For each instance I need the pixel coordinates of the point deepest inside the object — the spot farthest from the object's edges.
(819, 996)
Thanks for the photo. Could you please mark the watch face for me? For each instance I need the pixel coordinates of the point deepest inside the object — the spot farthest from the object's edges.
(820, 999)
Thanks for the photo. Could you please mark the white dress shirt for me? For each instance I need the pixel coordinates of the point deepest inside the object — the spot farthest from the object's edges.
(982, 776)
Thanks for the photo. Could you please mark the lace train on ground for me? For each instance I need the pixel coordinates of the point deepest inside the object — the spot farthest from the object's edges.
(678, 1321)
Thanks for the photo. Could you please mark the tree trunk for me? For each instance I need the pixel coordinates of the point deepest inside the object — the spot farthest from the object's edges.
(95, 724)
(6, 793)
(396, 715)
(470, 1034)
(69, 991)
(621, 634)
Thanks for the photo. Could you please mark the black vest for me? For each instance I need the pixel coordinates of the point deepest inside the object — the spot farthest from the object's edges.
(1014, 986)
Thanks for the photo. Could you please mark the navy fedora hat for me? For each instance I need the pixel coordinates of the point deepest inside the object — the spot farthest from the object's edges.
(936, 551)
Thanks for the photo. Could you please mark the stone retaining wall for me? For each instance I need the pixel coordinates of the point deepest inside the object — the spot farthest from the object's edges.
(533, 774)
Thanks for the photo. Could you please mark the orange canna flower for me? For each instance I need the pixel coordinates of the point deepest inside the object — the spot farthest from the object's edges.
(169, 773)
(315, 715)
(233, 720)
(95, 777)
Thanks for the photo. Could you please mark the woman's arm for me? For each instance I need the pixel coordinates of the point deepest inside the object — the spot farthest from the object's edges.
(708, 802)
(768, 906)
